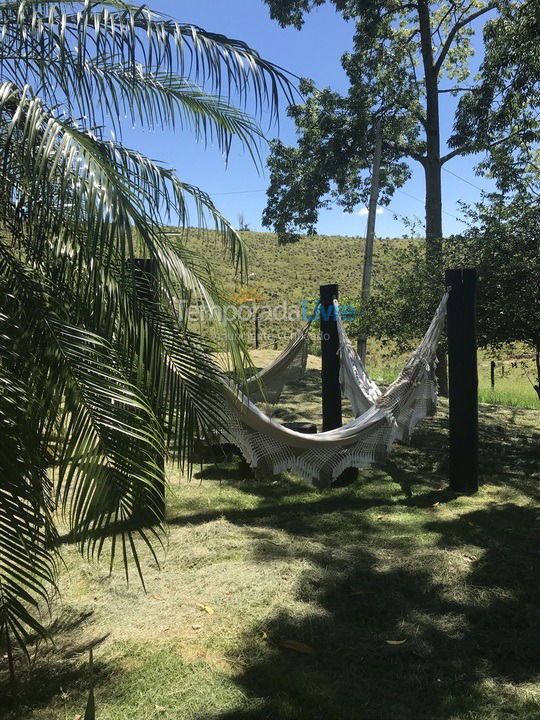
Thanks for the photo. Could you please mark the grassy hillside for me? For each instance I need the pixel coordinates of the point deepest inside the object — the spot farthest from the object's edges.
(298, 269)
(283, 276)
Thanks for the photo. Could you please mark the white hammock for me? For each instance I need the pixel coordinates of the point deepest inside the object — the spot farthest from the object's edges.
(290, 365)
(361, 391)
(320, 458)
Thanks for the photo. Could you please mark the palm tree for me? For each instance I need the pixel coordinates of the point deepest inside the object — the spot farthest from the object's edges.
(100, 376)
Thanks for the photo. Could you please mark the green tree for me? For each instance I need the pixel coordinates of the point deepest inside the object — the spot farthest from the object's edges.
(99, 376)
(405, 56)
(504, 245)
(506, 96)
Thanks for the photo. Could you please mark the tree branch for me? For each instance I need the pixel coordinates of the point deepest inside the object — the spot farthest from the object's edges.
(459, 89)
(454, 31)
(405, 150)
(466, 149)
(400, 7)
(451, 9)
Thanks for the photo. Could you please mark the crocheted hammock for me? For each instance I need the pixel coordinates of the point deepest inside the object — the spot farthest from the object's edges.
(382, 417)
(290, 365)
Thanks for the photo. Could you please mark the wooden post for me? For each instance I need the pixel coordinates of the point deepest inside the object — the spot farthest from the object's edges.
(147, 288)
(256, 329)
(370, 233)
(492, 370)
(463, 377)
(331, 390)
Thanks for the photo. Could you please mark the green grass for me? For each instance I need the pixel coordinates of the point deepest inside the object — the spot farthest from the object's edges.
(394, 556)
(514, 389)
(293, 272)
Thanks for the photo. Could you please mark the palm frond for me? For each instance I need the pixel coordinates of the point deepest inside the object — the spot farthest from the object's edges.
(98, 379)
(57, 172)
(27, 560)
(128, 36)
(108, 442)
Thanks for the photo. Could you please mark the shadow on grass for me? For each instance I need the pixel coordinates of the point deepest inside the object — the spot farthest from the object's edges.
(301, 517)
(462, 652)
(57, 666)
(459, 595)
(470, 648)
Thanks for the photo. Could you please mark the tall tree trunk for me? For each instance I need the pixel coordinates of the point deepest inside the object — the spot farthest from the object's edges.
(370, 233)
(434, 257)
(434, 231)
(432, 169)
(537, 387)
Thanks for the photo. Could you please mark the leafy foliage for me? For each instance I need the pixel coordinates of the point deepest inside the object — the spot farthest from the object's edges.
(404, 56)
(330, 164)
(504, 245)
(100, 376)
(507, 96)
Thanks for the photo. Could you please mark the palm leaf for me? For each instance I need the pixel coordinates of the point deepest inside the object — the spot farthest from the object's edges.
(27, 563)
(128, 36)
(98, 378)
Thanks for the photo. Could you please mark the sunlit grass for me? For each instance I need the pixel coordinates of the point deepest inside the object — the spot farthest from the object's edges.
(514, 389)
(292, 273)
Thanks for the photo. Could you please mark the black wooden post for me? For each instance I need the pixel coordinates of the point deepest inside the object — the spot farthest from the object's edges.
(492, 371)
(147, 288)
(463, 377)
(256, 329)
(331, 391)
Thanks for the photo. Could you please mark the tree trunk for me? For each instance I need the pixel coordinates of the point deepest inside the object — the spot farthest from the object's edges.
(434, 235)
(537, 386)
(432, 169)
(370, 234)
(434, 231)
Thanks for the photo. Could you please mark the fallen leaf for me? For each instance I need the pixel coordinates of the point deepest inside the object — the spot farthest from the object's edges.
(264, 636)
(395, 642)
(380, 517)
(160, 709)
(197, 627)
(77, 717)
(299, 647)
(207, 608)
(436, 504)
(157, 597)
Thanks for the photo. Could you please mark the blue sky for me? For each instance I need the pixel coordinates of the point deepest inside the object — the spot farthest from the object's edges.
(313, 52)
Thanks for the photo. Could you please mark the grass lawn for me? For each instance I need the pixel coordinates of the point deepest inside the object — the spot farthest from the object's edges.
(389, 599)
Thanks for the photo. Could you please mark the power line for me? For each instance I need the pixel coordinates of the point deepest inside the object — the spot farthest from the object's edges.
(413, 197)
(463, 179)
(403, 192)
(450, 172)
(237, 192)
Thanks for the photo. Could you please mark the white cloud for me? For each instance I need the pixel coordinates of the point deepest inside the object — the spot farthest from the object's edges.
(364, 211)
